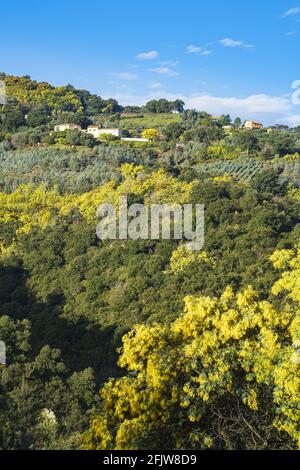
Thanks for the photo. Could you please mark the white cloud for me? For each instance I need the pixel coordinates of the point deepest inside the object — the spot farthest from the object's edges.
(227, 42)
(230, 42)
(193, 49)
(169, 63)
(155, 85)
(251, 105)
(291, 33)
(197, 50)
(291, 12)
(126, 76)
(148, 55)
(164, 71)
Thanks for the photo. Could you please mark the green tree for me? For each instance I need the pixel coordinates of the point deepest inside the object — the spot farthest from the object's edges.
(38, 117)
(13, 120)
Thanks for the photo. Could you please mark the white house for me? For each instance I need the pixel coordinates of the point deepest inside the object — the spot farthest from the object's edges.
(96, 131)
(66, 127)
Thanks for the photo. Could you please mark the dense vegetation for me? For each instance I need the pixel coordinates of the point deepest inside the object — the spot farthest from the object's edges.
(207, 361)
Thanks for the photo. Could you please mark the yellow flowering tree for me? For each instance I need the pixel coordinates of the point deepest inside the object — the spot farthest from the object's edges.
(30, 207)
(225, 374)
(222, 152)
(151, 134)
(183, 257)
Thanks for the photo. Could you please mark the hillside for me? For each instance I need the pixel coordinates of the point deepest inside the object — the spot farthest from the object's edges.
(190, 350)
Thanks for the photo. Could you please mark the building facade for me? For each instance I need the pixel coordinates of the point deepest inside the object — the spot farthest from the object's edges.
(66, 127)
(251, 125)
(96, 131)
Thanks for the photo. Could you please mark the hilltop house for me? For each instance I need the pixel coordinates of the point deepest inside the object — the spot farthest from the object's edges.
(251, 125)
(96, 131)
(66, 127)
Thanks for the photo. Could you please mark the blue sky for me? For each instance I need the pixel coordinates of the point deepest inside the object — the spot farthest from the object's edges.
(217, 56)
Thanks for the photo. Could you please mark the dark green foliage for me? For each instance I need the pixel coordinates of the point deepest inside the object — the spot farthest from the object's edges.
(38, 117)
(12, 120)
(77, 296)
(269, 183)
(43, 404)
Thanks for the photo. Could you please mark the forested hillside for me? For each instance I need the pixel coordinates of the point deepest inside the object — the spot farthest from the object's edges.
(188, 350)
